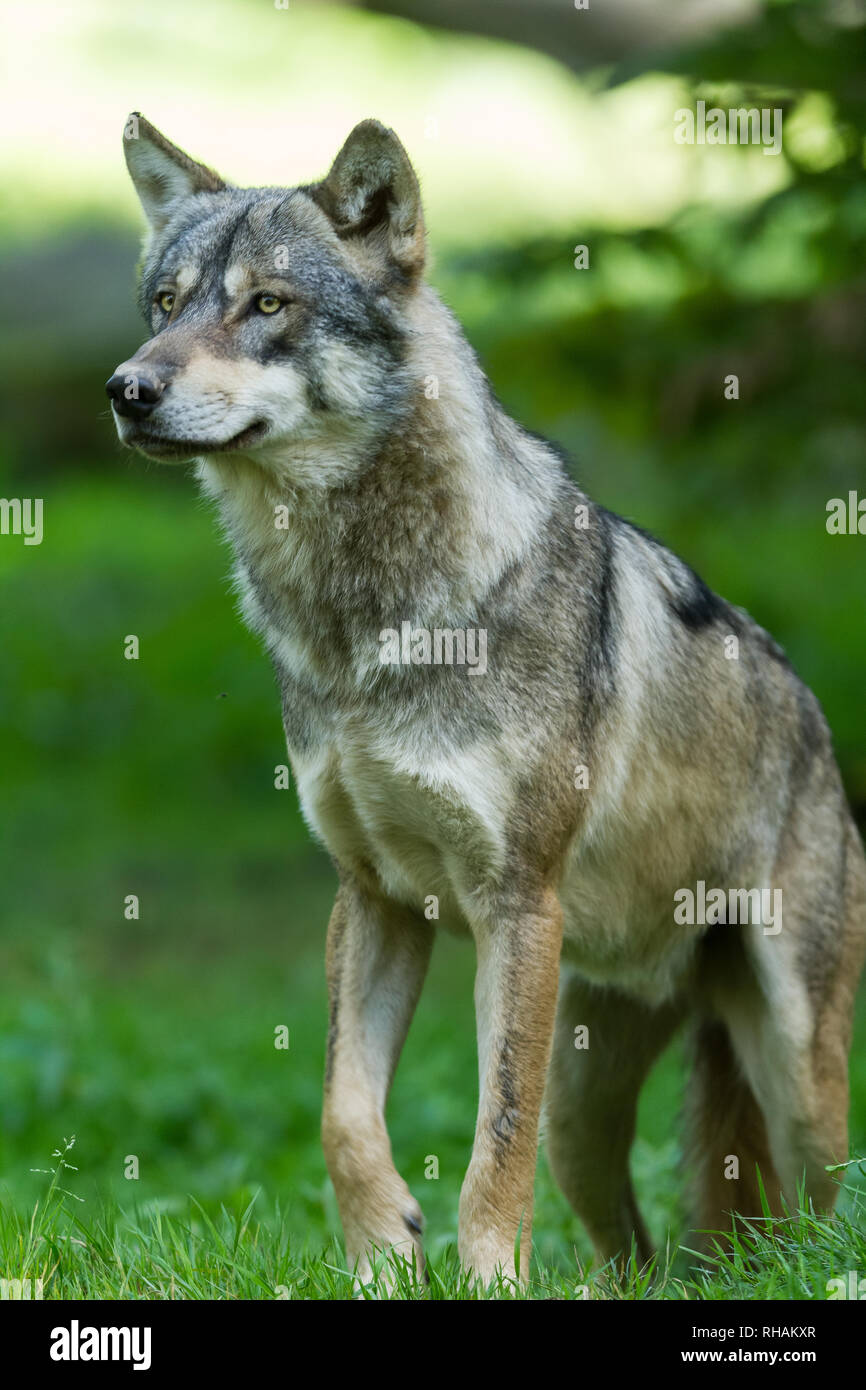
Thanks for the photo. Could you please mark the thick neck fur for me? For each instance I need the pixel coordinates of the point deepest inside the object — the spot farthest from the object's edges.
(447, 499)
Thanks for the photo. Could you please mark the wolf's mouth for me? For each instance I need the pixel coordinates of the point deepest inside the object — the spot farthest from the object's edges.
(162, 447)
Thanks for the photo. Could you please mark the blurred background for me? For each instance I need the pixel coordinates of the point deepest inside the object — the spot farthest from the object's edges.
(535, 128)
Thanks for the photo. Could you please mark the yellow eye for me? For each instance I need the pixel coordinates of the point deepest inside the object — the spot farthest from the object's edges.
(165, 302)
(268, 303)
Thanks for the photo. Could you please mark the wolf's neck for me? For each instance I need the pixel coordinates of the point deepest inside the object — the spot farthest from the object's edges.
(454, 496)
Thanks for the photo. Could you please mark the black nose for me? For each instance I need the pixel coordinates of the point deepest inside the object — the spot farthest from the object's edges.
(133, 394)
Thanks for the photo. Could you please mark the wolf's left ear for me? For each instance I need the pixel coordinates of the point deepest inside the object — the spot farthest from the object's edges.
(372, 194)
(162, 174)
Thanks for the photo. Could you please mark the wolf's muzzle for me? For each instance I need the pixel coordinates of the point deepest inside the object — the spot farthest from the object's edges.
(133, 395)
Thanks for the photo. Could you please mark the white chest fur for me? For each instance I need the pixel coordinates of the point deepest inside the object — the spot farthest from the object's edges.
(430, 824)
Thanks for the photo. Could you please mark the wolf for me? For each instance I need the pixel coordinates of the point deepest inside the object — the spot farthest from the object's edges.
(631, 736)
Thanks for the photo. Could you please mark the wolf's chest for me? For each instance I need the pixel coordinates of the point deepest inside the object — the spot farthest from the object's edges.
(430, 825)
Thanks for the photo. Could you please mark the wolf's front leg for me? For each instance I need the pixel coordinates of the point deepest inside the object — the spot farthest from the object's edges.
(376, 961)
(515, 1004)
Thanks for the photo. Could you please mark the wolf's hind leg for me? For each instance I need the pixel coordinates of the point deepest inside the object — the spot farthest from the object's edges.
(591, 1107)
(726, 1139)
(790, 1024)
(377, 958)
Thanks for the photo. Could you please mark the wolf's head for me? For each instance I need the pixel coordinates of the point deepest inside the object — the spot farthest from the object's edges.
(279, 317)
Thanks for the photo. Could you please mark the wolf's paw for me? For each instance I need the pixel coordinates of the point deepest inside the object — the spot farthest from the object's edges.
(393, 1266)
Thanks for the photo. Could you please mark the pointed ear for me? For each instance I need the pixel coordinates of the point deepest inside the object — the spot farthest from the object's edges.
(162, 174)
(371, 195)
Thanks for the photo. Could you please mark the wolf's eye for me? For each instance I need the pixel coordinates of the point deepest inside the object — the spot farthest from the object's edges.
(165, 302)
(268, 303)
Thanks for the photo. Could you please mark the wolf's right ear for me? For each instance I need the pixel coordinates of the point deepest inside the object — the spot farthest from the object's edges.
(162, 174)
(371, 196)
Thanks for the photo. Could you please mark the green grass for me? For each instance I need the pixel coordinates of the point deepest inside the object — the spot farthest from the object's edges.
(114, 1253)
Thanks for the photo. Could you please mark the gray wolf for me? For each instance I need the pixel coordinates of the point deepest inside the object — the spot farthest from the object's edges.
(632, 740)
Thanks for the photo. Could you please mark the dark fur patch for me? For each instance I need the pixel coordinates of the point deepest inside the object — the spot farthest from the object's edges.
(339, 930)
(605, 606)
(698, 607)
(333, 1016)
(505, 1122)
(694, 602)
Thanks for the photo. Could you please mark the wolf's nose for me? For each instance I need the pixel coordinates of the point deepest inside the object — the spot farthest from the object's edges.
(132, 394)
